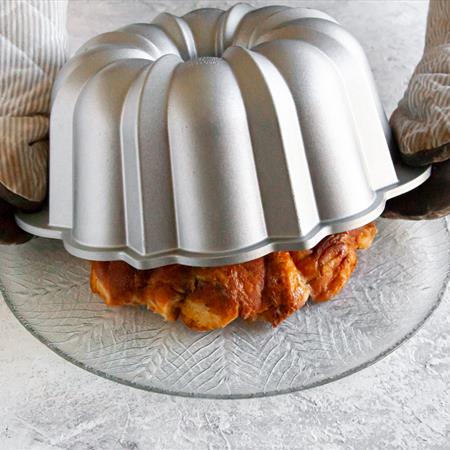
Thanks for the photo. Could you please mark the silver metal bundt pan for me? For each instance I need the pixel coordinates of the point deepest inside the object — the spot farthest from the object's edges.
(215, 138)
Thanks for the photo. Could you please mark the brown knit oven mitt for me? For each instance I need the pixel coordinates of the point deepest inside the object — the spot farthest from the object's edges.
(421, 123)
(33, 48)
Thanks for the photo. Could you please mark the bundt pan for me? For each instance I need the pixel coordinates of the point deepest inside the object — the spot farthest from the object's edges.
(216, 138)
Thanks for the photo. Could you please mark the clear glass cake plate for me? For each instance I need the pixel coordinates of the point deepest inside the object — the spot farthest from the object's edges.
(396, 286)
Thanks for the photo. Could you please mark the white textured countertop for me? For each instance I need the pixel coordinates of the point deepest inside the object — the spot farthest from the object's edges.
(401, 402)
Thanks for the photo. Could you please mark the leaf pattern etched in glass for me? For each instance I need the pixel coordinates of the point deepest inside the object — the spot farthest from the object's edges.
(397, 284)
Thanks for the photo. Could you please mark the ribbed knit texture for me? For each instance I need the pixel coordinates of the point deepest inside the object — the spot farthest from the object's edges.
(421, 122)
(32, 50)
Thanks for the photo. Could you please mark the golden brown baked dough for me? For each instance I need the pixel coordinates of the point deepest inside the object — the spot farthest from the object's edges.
(270, 288)
(285, 289)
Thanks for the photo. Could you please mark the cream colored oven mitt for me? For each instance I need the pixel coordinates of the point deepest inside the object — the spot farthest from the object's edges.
(32, 50)
(421, 123)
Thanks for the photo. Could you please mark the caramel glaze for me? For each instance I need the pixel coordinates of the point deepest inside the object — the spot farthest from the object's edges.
(269, 288)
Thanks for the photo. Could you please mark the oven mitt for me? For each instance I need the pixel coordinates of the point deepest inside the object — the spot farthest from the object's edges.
(32, 50)
(421, 123)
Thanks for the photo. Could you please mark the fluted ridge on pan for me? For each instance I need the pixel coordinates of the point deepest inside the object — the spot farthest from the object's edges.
(179, 32)
(151, 222)
(258, 21)
(122, 39)
(282, 18)
(248, 23)
(156, 36)
(66, 91)
(97, 158)
(228, 24)
(215, 181)
(203, 25)
(283, 173)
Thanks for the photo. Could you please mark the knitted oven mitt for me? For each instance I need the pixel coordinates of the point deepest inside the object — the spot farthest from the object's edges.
(421, 123)
(32, 50)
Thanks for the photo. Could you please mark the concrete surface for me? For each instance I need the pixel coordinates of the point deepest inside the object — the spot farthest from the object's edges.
(401, 402)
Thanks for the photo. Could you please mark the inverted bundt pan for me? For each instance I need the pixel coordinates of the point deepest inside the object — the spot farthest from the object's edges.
(215, 138)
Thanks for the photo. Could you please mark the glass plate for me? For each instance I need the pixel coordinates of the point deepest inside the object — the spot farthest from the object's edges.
(397, 284)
